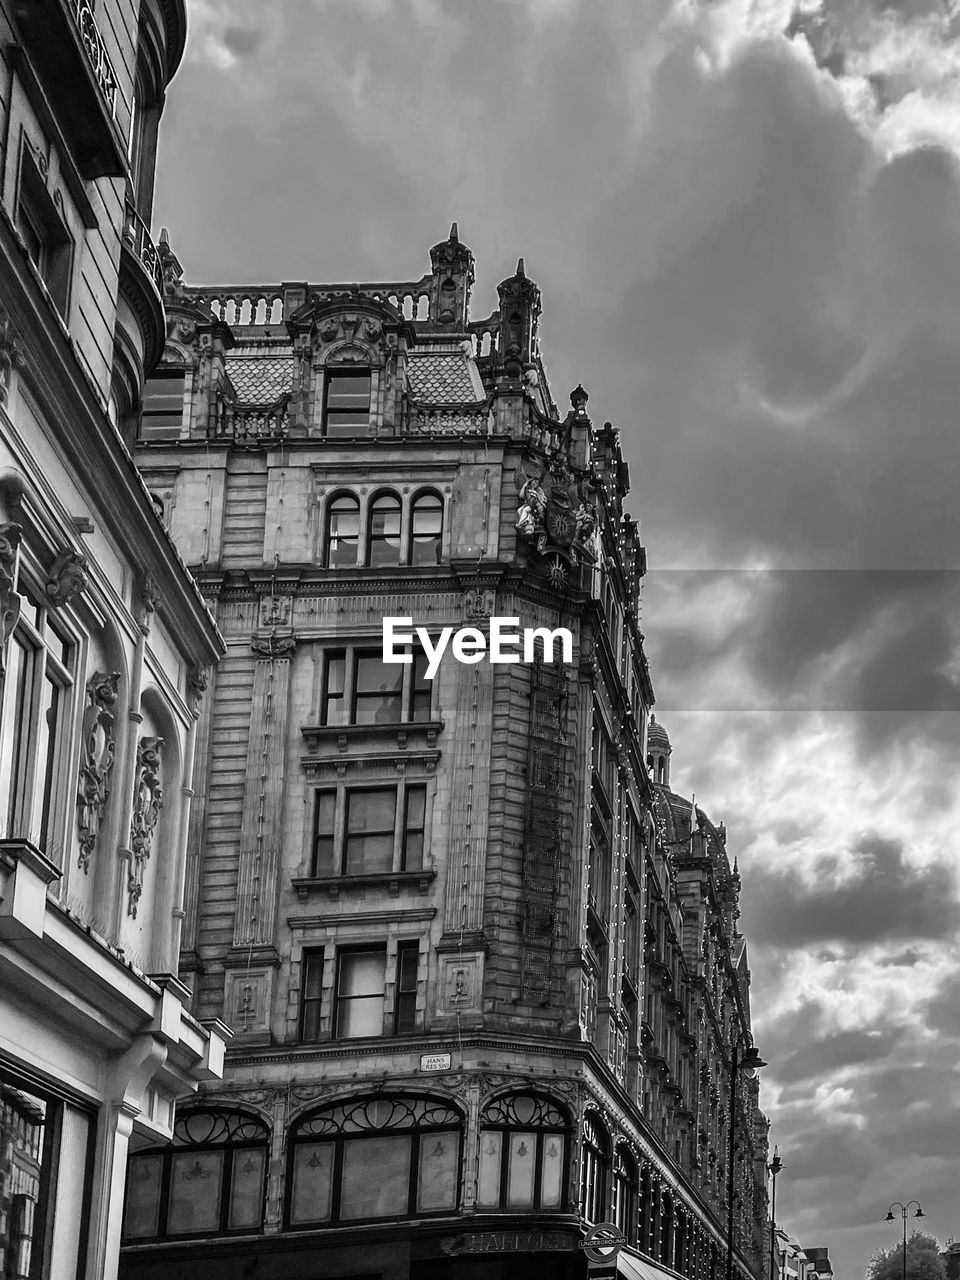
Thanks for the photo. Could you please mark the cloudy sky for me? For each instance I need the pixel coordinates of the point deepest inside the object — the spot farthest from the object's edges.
(745, 220)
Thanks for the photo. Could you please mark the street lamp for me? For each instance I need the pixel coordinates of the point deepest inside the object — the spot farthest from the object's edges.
(891, 1217)
(749, 1064)
(776, 1164)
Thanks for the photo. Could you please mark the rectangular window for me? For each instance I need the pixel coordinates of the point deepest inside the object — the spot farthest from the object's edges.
(311, 1199)
(44, 232)
(439, 1169)
(311, 995)
(246, 1188)
(163, 399)
(369, 831)
(405, 1013)
(421, 689)
(361, 977)
(195, 1182)
(414, 817)
(346, 403)
(34, 701)
(333, 708)
(376, 1177)
(376, 689)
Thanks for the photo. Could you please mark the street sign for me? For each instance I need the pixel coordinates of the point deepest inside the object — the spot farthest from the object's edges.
(602, 1271)
(602, 1243)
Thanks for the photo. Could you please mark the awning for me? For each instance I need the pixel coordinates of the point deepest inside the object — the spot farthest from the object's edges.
(633, 1268)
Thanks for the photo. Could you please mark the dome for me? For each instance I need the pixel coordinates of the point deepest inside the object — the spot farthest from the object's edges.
(657, 739)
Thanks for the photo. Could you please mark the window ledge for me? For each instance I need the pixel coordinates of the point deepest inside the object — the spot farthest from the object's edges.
(333, 885)
(404, 733)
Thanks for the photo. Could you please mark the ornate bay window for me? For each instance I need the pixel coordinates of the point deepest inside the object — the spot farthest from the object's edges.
(523, 1154)
(210, 1180)
(375, 1158)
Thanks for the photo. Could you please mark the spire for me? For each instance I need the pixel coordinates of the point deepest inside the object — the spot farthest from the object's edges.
(519, 318)
(452, 266)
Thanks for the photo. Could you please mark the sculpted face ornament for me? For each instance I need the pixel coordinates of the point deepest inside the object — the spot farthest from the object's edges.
(67, 578)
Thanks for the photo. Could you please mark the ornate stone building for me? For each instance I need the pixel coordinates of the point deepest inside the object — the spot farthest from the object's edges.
(483, 980)
(105, 642)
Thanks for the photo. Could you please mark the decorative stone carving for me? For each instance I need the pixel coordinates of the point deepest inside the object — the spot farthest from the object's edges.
(479, 604)
(147, 803)
(11, 357)
(273, 646)
(197, 680)
(275, 611)
(10, 535)
(67, 578)
(149, 594)
(98, 744)
(558, 513)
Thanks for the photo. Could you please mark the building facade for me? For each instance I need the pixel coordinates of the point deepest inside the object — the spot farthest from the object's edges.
(105, 643)
(483, 972)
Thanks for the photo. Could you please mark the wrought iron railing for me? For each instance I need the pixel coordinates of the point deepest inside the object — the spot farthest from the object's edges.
(97, 53)
(138, 238)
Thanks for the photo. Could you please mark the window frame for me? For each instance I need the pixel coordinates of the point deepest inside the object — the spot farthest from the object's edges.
(168, 429)
(23, 689)
(342, 496)
(35, 207)
(509, 1125)
(338, 1138)
(338, 835)
(166, 1155)
(382, 497)
(423, 496)
(355, 952)
(415, 693)
(346, 373)
(594, 1169)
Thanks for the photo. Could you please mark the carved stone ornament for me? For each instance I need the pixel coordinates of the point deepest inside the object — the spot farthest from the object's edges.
(273, 646)
(147, 803)
(67, 578)
(197, 680)
(557, 513)
(275, 611)
(11, 357)
(149, 596)
(98, 744)
(10, 535)
(479, 604)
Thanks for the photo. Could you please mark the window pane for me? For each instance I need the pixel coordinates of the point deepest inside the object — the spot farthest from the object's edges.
(311, 999)
(376, 1177)
(385, 531)
(323, 861)
(427, 523)
(439, 1170)
(143, 1197)
(360, 994)
(377, 688)
(523, 1163)
(312, 1196)
(371, 816)
(343, 532)
(422, 688)
(22, 1121)
(195, 1179)
(414, 810)
(333, 710)
(13, 743)
(46, 758)
(246, 1188)
(551, 1178)
(491, 1146)
(347, 409)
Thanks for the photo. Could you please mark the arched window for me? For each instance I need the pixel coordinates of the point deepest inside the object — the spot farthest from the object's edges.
(625, 1193)
(383, 532)
(523, 1153)
(426, 529)
(386, 1157)
(341, 540)
(209, 1181)
(594, 1164)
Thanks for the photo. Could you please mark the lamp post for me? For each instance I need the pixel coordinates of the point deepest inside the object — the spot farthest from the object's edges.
(749, 1064)
(776, 1164)
(891, 1217)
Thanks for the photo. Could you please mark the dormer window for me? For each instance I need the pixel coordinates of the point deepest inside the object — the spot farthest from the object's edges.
(346, 403)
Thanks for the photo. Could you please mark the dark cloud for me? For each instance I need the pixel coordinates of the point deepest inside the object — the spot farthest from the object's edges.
(242, 41)
(885, 899)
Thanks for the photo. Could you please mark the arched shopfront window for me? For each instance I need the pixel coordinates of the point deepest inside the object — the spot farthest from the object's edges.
(209, 1181)
(625, 1193)
(523, 1153)
(594, 1170)
(374, 1158)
